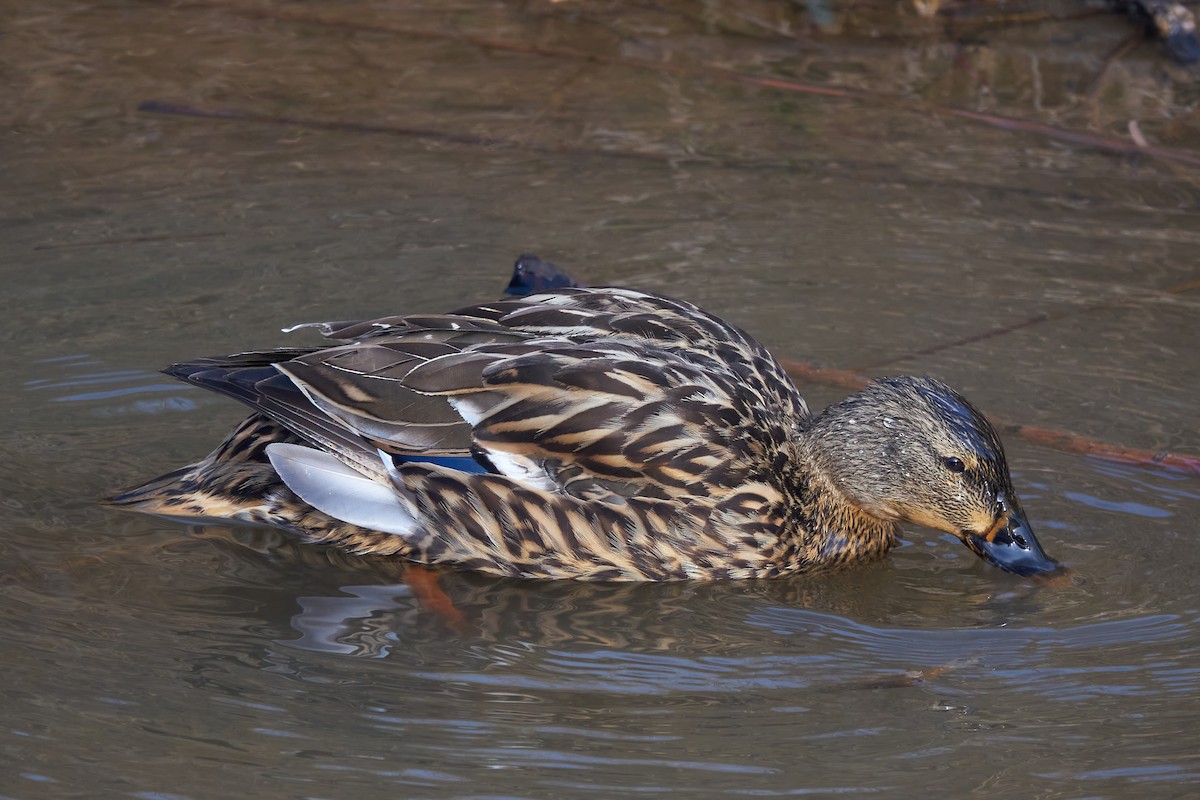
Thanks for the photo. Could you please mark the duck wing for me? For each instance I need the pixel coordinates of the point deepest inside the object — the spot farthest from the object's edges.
(634, 436)
(595, 392)
(600, 313)
(617, 461)
(253, 379)
(603, 417)
(363, 384)
(348, 400)
(592, 391)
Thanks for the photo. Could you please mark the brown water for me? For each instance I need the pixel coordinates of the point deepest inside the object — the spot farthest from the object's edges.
(145, 659)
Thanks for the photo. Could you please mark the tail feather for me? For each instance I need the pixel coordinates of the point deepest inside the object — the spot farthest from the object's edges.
(237, 483)
(232, 482)
(147, 496)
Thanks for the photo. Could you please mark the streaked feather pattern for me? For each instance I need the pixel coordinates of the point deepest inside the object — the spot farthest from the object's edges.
(610, 434)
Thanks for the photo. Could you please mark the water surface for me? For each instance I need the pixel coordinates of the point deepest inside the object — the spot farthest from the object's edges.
(148, 659)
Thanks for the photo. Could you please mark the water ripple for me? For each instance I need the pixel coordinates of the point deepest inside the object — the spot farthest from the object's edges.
(1127, 507)
(121, 383)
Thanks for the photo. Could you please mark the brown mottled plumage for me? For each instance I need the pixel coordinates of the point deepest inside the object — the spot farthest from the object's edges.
(601, 434)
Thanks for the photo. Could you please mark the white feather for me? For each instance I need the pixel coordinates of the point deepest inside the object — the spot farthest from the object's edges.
(471, 409)
(330, 486)
(518, 467)
(522, 469)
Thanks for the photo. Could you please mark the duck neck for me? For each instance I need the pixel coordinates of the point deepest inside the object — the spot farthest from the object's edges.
(830, 529)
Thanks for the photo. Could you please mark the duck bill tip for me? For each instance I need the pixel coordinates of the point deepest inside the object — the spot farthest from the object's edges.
(1012, 547)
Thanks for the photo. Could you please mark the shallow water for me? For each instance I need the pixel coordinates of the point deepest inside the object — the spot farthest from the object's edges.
(145, 658)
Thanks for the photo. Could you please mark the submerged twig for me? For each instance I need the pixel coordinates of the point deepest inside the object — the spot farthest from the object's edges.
(1099, 305)
(165, 237)
(181, 110)
(972, 339)
(1116, 54)
(431, 134)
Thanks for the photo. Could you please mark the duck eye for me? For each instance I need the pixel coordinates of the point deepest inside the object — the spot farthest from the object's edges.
(954, 464)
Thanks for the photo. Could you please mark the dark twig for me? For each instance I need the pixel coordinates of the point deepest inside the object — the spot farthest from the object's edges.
(447, 137)
(973, 338)
(1099, 305)
(166, 237)
(179, 110)
(1116, 54)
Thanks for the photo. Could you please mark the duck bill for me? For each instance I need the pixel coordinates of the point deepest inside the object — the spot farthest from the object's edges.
(1011, 545)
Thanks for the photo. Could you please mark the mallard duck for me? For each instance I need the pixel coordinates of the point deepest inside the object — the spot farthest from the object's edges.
(589, 433)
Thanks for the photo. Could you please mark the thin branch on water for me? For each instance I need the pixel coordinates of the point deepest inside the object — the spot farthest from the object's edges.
(972, 339)
(1037, 319)
(124, 240)
(181, 110)
(1116, 54)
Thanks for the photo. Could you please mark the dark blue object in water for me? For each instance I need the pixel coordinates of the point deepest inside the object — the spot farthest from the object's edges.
(531, 274)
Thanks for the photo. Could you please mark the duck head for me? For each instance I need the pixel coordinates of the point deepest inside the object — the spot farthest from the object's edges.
(910, 449)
